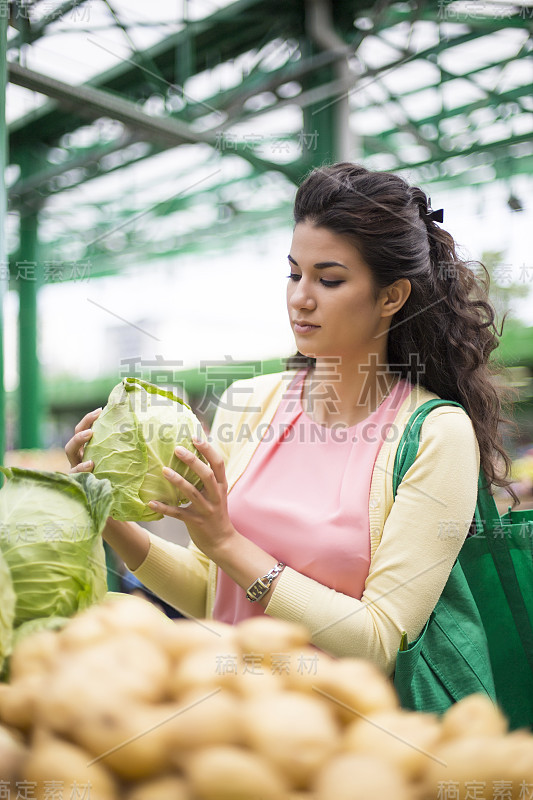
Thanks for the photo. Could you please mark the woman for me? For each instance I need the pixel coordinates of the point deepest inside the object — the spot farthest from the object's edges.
(298, 486)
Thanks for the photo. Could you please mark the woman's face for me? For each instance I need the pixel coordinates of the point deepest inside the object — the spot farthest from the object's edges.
(330, 297)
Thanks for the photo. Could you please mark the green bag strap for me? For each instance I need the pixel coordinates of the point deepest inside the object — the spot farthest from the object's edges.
(408, 444)
(487, 518)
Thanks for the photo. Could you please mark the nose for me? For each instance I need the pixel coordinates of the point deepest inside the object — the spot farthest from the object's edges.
(300, 295)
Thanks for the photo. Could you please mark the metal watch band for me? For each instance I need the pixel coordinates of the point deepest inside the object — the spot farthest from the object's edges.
(260, 587)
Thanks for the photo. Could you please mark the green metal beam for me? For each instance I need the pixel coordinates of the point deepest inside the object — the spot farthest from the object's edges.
(220, 236)
(219, 33)
(496, 147)
(443, 12)
(93, 103)
(3, 214)
(513, 95)
(519, 91)
(216, 39)
(89, 160)
(37, 29)
(194, 38)
(86, 160)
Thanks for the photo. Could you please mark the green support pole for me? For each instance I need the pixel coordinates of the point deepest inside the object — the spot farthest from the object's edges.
(3, 211)
(320, 135)
(27, 280)
(319, 125)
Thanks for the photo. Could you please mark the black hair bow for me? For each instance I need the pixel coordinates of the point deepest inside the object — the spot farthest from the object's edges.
(436, 216)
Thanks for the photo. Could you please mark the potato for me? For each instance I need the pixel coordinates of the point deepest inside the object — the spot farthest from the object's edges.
(296, 733)
(186, 636)
(72, 697)
(128, 612)
(35, 654)
(168, 787)
(84, 630)
(141, 667)
(405, 739)
(53, 760)
(119, 670)
(354, 687)
(127, 665)
(120, 613)
(253, 681)
(519, 750)
(221, 667)
(475, 715)
(18, 701)
(486, 759)
(205, 668)
(262, 636)
(12, 755)
(296, 795)
(200, 719)
(129, 739)
(231, 773)
(360, 777)
(304, 666)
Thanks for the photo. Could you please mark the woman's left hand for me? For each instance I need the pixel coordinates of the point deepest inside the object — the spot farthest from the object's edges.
(206, 518)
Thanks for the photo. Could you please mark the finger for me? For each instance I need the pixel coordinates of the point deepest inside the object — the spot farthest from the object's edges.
(213, 457)
(87, 420)
(191, 493)
(75, 446)
(168, 511)
(85, 466)
(199, 467)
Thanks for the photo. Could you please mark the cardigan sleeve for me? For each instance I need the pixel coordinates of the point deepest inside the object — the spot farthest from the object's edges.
(421, 538)
(177, 574)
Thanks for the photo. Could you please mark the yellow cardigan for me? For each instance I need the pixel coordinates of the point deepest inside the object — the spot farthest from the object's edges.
(414, 540)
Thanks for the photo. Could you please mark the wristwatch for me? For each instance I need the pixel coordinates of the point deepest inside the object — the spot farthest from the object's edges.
(260, 587)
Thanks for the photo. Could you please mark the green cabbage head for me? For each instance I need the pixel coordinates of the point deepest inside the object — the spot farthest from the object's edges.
(7, 610)
(134, 438)
(50, 525)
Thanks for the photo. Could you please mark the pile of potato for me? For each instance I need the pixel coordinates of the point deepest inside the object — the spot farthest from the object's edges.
(124, 703)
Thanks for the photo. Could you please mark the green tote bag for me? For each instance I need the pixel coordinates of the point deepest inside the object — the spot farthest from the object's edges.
(479, 637)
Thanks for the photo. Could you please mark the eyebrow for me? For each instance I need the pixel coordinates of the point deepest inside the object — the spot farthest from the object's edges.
(321, 264)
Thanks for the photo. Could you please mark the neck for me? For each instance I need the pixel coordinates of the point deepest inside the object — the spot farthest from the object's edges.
(344, 392)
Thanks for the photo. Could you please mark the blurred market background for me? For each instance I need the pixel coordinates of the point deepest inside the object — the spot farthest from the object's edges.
(151, 154)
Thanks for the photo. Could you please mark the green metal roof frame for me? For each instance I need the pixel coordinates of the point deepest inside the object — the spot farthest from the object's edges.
(246, 26)
(327, 72)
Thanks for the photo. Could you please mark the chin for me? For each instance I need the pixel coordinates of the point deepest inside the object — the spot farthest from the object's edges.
(307, 353)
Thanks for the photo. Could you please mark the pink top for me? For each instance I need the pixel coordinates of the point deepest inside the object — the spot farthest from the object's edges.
(304, 498)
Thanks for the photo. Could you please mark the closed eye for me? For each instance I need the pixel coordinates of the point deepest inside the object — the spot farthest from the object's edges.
(324, 282)
(329, 284)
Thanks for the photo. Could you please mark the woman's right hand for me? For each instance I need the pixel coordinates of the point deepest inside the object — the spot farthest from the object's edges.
(74, 447)
(128, 540)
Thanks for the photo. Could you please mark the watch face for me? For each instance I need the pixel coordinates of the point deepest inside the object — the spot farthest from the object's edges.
(257, 590)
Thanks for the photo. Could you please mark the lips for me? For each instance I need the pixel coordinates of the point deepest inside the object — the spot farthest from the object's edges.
(301, 326)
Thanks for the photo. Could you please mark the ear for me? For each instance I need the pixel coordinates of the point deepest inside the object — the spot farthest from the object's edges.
(394, 296)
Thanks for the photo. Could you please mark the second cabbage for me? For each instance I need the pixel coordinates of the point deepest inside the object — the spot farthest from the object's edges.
(134, 438)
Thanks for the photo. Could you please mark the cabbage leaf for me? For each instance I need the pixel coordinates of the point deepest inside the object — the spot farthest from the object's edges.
(7, 610)
(134, 438)
(50, 525)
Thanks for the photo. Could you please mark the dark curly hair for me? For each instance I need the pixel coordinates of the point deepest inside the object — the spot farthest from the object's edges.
(447, 321)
